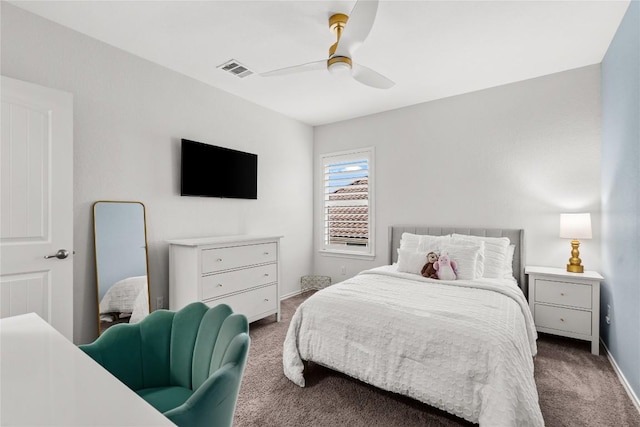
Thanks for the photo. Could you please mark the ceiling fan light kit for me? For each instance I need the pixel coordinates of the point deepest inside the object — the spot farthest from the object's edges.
(348, 39)
(339, 65)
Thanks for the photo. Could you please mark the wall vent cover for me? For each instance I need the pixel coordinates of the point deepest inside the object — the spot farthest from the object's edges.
(236, 68)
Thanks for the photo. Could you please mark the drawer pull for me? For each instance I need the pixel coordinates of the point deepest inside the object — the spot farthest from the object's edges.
(219, 260)
(266, 253)
(266, 300)
(219, 285)
(561, 294)
(266, 274)
(562, 319)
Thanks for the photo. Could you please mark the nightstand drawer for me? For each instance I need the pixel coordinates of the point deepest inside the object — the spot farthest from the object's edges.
(563, 319)
(563, 293)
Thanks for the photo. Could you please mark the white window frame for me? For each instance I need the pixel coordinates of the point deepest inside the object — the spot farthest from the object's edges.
(367, 252)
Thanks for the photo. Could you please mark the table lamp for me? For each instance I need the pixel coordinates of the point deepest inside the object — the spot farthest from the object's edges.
(575, 226)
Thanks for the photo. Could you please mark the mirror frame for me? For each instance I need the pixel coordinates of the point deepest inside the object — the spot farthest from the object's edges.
(95, 253)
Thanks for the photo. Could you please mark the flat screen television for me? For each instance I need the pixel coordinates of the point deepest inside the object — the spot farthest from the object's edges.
(210, 171)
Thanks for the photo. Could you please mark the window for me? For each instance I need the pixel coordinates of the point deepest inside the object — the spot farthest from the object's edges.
(347, 180)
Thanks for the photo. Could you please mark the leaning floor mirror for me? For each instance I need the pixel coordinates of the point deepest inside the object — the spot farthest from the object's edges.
(122, 273)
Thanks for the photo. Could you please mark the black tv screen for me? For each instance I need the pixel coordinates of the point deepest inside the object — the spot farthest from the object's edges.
(210, 171)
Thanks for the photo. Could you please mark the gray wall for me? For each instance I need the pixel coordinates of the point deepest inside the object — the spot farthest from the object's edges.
(621, 196)
(513, 156)
(129, 117)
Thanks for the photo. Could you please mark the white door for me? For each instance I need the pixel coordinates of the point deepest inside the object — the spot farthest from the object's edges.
(36, 203)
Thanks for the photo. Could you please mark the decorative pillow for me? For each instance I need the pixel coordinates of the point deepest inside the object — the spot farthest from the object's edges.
(466, 258)
(422, 242)
(479, 273)
(409, 242)
(495, 253)
(508, 266)
(430, 243)
(411, 261)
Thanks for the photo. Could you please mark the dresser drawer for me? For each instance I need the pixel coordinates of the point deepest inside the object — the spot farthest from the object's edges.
(237, 256)
(563, 293)
(217, 285)
(563, 319)
(252, 303)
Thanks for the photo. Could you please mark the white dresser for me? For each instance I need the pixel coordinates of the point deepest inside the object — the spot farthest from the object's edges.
(566, 304)
(241, 271)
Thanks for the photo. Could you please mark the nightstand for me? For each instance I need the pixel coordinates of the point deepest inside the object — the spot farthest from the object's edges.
(566, 304)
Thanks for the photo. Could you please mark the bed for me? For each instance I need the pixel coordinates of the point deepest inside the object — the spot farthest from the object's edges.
(128, 297)
(465, 346)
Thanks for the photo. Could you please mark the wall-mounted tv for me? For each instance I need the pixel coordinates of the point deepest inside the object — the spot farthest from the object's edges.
(210, 171)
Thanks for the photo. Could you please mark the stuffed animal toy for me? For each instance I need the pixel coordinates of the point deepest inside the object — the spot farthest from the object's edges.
(428, 270)
(445, 267)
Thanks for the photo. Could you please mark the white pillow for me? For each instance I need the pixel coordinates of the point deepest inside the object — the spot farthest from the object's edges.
(495, 254)
(508, 266)
(422, 242)
(466, 258)
(433, 243)
(411, 261)
(409, 242)
(480, 260)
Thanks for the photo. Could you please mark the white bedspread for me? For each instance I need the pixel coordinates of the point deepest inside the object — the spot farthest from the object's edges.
(128, 295)
(465, 347)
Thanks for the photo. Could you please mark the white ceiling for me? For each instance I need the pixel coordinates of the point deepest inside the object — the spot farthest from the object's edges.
(431, 49)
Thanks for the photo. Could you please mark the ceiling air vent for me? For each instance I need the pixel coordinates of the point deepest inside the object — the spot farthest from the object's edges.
(237, 69)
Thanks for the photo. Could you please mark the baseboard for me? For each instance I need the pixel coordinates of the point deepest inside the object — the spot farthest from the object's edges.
(296, 293)
(622, 378)
(292, 294)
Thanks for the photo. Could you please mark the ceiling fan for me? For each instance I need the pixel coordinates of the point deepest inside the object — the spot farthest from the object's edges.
(349, 38)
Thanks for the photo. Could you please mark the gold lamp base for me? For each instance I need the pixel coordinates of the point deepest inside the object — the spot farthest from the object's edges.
(575, 263)
(575, 268)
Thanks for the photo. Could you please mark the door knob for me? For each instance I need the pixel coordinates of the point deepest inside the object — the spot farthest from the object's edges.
(61, 254)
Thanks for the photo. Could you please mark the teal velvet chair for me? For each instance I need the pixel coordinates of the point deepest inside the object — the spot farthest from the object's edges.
(188, 364)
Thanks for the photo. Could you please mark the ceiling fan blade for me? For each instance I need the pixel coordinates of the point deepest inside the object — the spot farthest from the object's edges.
(309, 66)
(358, 27)
(368, 77)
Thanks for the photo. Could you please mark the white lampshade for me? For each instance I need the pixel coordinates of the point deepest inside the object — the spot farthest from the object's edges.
(575, 225)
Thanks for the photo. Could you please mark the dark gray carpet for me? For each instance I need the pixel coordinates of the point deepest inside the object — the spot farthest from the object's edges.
(575, 389)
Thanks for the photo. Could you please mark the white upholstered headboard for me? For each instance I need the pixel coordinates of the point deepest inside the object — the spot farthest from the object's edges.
(515, 235)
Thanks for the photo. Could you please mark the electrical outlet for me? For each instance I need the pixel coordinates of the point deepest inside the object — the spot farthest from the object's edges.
(159, 303)
(343, 270)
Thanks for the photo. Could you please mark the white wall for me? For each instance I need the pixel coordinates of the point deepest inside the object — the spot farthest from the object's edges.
(513, 156)
(129, 117)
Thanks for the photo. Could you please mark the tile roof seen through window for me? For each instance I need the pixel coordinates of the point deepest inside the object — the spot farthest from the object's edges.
(350, 224)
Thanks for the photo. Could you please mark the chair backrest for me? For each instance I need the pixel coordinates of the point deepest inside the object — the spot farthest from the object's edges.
(181, 348)
(200, 337)
(222, 341)
(184, 333)
(217, 330)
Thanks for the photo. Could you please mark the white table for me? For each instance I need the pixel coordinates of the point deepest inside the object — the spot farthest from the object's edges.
(45, 380)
